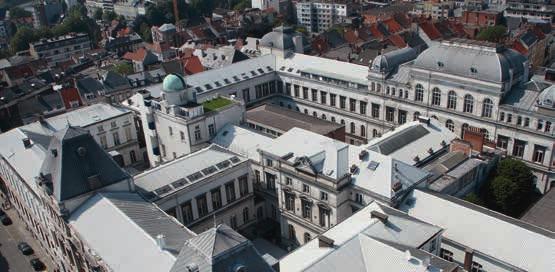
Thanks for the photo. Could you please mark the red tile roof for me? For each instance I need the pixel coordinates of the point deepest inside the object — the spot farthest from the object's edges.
(518, 46)
(392, 25)
(430, 30)
(138, 55)
(397, 40)
(375, 31)
(192, 65)
(350, 36)
(320, 45)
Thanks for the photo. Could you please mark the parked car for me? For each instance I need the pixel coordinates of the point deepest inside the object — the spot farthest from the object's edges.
(5, 219)
(25, 248)
(37, 264)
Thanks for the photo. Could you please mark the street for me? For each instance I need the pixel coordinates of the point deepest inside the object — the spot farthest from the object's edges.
(11, 258)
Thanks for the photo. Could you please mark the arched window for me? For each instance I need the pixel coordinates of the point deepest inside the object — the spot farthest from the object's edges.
(436, 97)
(487, 108)
(342, 121)
(352, 127)
(305, 111)
(468, 103)
(450, 125)
(306, 237)
(419, 93)
(245, 215)
(374, 133)
(373, 86)
(387, 90)
(362, 131)
(289, 106)
(416, 115)
(291, 231)
(333, 119)
(378, 87)
(314, 114)
(485, 132)
(297, 109)
(324, 117)
(281, 104)
(452, 100)
(464, 127)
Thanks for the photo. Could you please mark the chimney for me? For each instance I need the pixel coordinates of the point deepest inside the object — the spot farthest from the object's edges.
(382, 217)
(161, 241)
(468, 254)
(27, 142)
(324, 241)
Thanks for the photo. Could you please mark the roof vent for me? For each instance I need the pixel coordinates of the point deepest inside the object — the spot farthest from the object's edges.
(382, 217)
(161, 242)
(94, 182)
(26, 142)
(397, 186)
(192, 267)
(354, 169)
(362, 155)
(430, 151)
(324, 241)
(443, 143)
(416, 159)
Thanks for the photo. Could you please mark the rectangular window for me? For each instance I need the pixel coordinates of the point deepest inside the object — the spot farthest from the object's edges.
(402, 117)
(509, 118)
(332, 99)
(246, 95)
(187, 212)
(116, 138)
(103, 141)
(128, 134)
(323, 96)
(363, 107)
(305, 93)
(342, 101)
(518, 148)
(389, 114)
(446, 254)
(182, 135)
(306, 188)
(290, 202)
(375, 110)
(526, 122)
(270, 181)
(323, 195)
(211, 130)
(519, 120)
(243, 185)
(202, 205)
(163, 150)
(170, 130)
(197, 133)
(476, 267)
(230, 191)
(269, 162)
(288, 89)
(233, 222)
(324, 217)
(352, 104)
(288, 181)
(314, 95)
(307, 209)
(216, 198)
(359, 199)
(539, 153)
(296, 87)
(502, 141)
(113, 124)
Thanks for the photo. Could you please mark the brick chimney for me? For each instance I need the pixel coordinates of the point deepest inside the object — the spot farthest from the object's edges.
(460, 146)
(475, 137)
(468, 254)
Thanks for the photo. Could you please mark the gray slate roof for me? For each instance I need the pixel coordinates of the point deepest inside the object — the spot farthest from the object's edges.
(541, 214)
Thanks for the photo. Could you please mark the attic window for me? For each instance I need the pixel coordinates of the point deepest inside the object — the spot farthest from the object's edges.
(217, 83)
(208, 86)
(236, 78)
(260, 71)
(290, 70)
(282, 68)
(440, 64)
(473, 70)
(226, 81)
(253, 73)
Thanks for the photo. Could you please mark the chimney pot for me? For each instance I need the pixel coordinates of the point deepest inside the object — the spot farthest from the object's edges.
(468, 255)
(27, 142)
(161, 241)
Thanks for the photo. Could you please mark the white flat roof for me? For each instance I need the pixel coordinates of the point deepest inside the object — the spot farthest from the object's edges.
(242, 141)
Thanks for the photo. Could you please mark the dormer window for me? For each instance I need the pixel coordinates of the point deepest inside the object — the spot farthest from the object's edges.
(440, 64)
(473, 70)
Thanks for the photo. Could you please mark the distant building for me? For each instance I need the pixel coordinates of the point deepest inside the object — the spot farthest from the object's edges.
(318, 16)
(532, 9)
(481, 18)
(60, 48)
(435, 9)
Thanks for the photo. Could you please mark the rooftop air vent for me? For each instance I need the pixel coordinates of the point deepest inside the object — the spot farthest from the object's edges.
(354, 169)
(397, 187)
(416, 159)
(430, 151)
(381, 216)
(26, 142)
(443, 143)
(362, 155)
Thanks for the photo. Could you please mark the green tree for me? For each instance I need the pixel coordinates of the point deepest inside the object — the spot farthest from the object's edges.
(512, 190)
(123, 68)
(22, 38)
(98, 14)
(504, 192)
(145, 33)
(492, 33)
(474, 198)
(17, 12)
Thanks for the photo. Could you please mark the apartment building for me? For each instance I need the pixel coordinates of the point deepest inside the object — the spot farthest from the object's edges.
(179, 121)
(210, 186)
(319, 16)
(60, 48)
(113, 128)
(435, 9)
(531, 9)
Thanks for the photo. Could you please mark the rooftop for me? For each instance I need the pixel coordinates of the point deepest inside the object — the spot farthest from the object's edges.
(181, 173)
(215, 104)
(485, 231)
(541, 214)
(284, 119)
(365, 241)
(242, 141)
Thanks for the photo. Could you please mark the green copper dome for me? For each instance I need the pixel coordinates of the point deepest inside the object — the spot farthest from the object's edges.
(173, 83)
